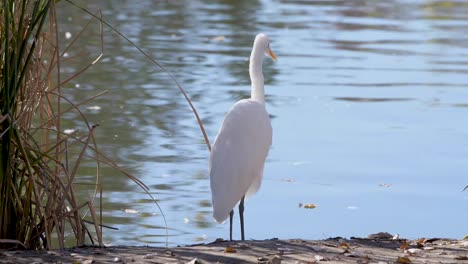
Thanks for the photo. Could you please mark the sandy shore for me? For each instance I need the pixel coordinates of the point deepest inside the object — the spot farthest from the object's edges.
(375, 249)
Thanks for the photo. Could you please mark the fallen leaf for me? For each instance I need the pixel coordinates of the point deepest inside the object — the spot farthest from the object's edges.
(420, 242)
(404, 245)
(229, 249)
(403, 260)
(344, 245)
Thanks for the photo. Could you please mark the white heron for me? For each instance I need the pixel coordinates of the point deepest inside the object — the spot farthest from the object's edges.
(241, 146)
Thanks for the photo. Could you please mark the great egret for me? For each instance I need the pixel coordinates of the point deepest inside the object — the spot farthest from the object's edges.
(241, 146)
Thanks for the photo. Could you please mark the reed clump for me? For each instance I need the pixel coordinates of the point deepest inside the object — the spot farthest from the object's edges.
(38, 207)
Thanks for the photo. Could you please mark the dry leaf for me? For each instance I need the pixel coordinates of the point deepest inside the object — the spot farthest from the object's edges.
(404, 245)
(229, 249)
(344, 245)
(420, 242)
(403, 260)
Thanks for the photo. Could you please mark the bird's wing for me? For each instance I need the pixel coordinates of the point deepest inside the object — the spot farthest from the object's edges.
(238, 155)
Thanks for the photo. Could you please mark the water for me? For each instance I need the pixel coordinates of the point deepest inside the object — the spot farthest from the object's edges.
(368, 103)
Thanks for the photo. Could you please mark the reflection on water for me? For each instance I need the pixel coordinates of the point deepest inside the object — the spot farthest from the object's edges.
(365, 94)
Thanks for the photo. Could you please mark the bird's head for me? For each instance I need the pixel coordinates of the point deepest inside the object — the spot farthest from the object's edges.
(263, 42)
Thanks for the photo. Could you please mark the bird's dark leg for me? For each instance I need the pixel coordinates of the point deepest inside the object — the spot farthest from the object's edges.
(231, 214)
(241, 215)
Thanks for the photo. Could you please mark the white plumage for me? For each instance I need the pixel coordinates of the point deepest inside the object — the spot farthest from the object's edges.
(241, 146)
(238, 155)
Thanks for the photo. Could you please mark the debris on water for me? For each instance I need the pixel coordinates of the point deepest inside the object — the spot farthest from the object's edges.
(70, 131)
(68, 35)
(130, 211)
(218, 38)
(307, 205)
(288, 180)
(94, 108)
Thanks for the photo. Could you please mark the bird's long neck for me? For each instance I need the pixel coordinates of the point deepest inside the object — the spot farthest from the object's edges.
(256, 75)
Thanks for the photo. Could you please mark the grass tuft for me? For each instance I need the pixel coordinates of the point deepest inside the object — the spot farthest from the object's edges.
(38, 207)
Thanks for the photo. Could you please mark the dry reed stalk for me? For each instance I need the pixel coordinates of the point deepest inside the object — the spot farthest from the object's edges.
(36, 184)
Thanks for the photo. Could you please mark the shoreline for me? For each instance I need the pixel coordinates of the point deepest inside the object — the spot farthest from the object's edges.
(374, 249)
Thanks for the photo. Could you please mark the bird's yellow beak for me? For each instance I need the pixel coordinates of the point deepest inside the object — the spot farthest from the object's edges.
(272, 55)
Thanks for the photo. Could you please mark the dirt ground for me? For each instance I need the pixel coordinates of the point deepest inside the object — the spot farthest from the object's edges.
(379, 248)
